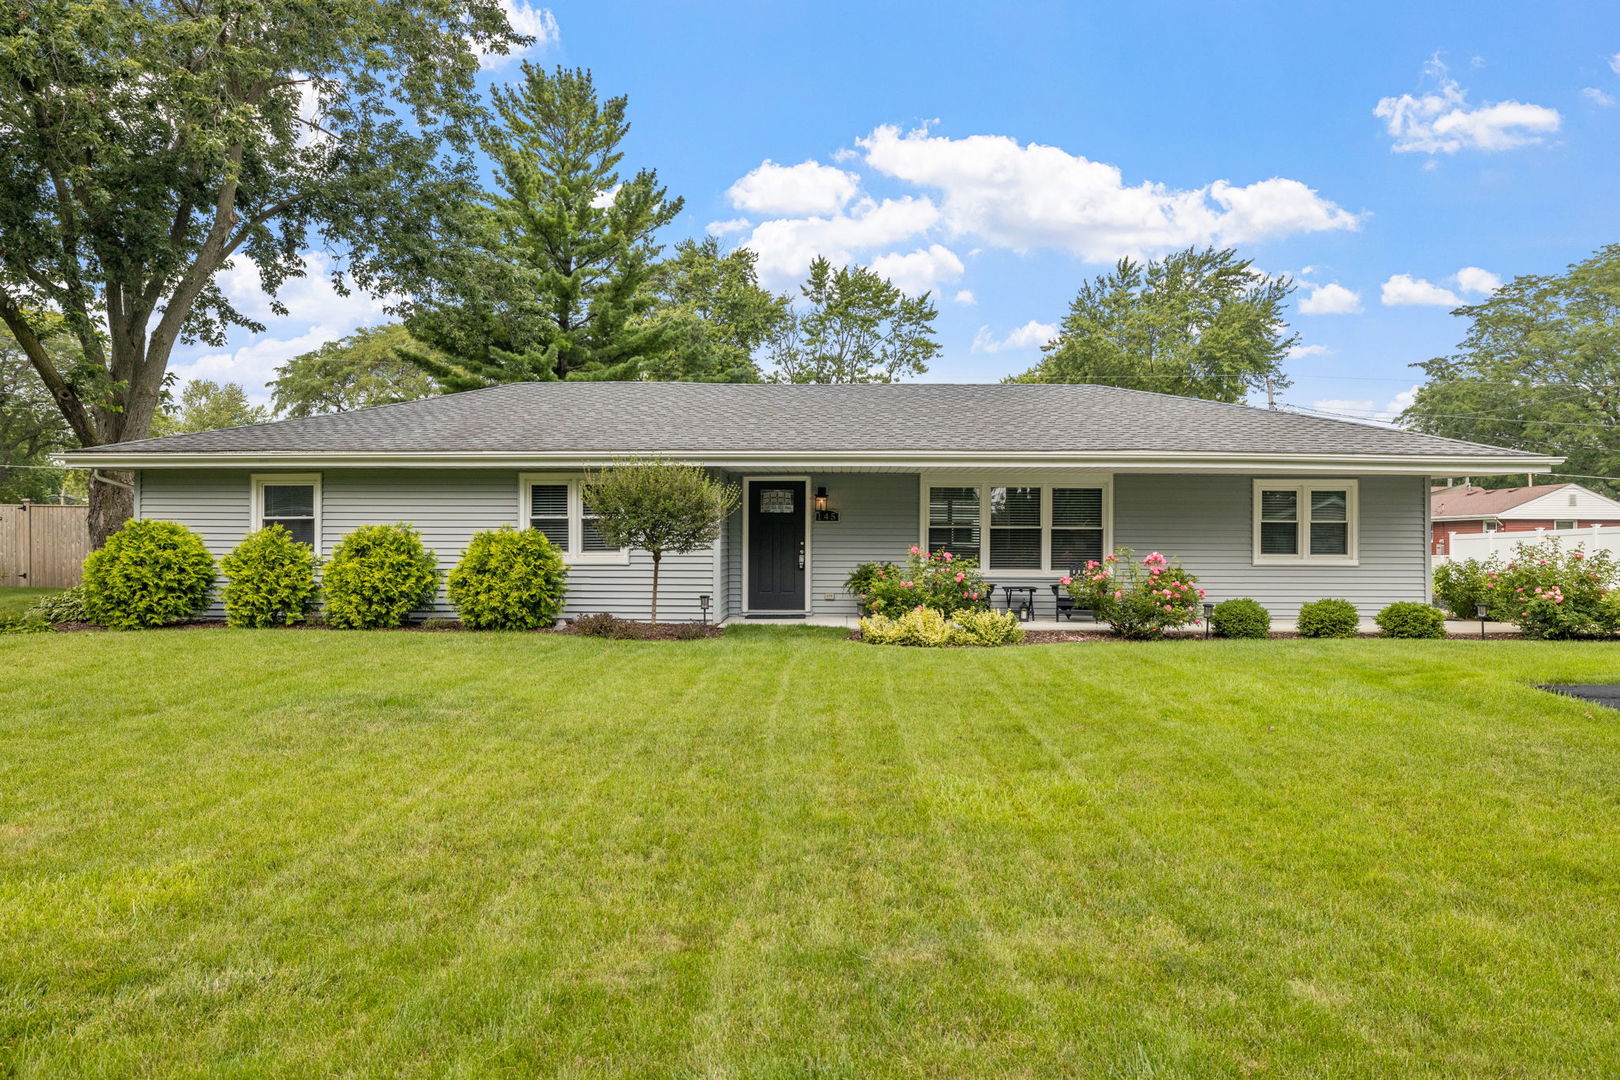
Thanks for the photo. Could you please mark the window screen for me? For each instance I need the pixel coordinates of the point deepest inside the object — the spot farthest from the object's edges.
(292, 506)
(548, 512)
(953, 519)
(1015, 528)
(1330, 522)
(1279, 522)
(1077, 534)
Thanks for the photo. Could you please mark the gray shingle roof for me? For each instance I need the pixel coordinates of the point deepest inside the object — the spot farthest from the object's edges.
(606, 417)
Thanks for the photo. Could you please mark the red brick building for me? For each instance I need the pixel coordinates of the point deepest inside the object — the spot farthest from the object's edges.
(1468, 509)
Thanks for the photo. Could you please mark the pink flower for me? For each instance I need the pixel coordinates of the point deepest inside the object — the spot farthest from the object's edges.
(959, 577)
(1066, 581)
(1118, 595)
(905, 584)
(1169, 607)
(1200, 594)
(964, 596)
(1091, 564)
(948, 556)
(915, 550)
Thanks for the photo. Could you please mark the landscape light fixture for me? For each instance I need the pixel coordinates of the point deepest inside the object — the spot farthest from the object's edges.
(703, 603)
(1481, 612)
(1209, 609)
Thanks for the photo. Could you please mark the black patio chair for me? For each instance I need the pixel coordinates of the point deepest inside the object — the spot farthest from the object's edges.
(1063, 603)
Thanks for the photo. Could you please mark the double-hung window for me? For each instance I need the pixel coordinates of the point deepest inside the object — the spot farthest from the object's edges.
(292, 501)
(1311, 522)
(1017, 527)
(555, 504)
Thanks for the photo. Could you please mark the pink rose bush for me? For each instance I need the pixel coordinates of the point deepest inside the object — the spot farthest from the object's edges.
(1554, 594)
(939, 581)
(1139, 599)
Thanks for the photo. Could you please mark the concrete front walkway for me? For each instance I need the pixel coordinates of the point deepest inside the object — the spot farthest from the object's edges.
(850, 622)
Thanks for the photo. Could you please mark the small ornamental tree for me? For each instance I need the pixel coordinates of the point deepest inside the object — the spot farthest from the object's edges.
(937, 580)
(1138, 600)
(509, 579)
(660, 507)
(149, 573)
(271, 579)
(379, 574)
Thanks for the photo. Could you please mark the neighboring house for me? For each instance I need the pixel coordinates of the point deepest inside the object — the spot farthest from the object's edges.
(1466, 510)
(1033, 479)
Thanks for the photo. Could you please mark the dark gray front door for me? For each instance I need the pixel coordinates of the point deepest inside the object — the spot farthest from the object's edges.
(776, 545)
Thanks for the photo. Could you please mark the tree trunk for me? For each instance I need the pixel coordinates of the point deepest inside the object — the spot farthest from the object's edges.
(657, 556)
(110, 506)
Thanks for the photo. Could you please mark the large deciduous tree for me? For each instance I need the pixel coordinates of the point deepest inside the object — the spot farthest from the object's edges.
(356, 372)
(854, 327)
(206, 405)
(31, 427)
(556, 282)
(144, 146)
(1199, 323)
(1539, 370)
(722, 318)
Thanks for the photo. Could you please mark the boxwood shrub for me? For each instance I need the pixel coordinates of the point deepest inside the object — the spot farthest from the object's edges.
(270, 579)
(1328, 619)
(509, 580)
(1240, 618)
(149, 573)
(1409, 619)
(379, 574)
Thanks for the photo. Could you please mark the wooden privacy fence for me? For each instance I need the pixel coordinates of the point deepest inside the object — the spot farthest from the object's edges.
(42, 545)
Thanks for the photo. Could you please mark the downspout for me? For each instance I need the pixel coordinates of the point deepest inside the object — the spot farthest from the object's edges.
(95, 474)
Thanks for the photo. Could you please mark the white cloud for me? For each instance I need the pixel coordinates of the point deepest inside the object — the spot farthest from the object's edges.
(1404, 290)
(1442, 122)
(921, 270)
(1614, 63)
(1597, 97)
(604, 199)
(1295, 352)
(535, 22)
(787, 245)
(965, 297)
(805, 188)
(1368, 409)
(1024, 196)
(1032, 335)
(313, 305)
(1331, 299)
(1471, 279)
(730, 225)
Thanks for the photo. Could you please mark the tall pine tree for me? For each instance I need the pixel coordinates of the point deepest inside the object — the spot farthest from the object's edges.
(560, 282)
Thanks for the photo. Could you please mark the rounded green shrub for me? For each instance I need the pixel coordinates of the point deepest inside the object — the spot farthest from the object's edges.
(1240, 618)
(1408, 619)
(378, 575)
(509, 579)
(270, 579)
(149, 573)
(1460, 585)
(1328, 618)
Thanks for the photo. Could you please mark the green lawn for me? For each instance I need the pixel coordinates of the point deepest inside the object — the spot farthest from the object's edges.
(15, 601)
(781, 854)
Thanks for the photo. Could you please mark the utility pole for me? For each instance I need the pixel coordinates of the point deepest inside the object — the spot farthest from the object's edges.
(1271, 397)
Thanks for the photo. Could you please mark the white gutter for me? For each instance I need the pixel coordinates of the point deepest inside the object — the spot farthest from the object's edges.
(1128, 460)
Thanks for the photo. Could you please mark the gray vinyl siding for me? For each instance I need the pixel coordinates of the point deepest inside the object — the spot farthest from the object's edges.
(448, 506)
(877, 522)
(1207, 523)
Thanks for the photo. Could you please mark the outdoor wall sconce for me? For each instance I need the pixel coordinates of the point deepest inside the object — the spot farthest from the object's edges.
(822, 513)
(1209, 610)
(703, 603)
(1481, 612)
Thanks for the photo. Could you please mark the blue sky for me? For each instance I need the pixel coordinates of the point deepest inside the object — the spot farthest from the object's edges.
(1395, 158)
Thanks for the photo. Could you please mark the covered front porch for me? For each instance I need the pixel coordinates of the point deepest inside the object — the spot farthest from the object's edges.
(1281, 539)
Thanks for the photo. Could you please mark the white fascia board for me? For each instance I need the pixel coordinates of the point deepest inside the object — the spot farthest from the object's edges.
(1132, 461)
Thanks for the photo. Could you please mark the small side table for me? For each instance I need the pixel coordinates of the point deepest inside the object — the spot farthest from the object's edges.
(1020, 598)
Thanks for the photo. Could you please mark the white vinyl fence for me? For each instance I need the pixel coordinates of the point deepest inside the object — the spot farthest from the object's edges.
(1483, 545)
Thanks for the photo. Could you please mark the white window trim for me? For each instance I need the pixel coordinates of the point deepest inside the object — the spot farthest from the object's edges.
(1303, 488)
(576, 518)
(1490, 525)
(1045, 484)
(1570, 523)
(256, 485)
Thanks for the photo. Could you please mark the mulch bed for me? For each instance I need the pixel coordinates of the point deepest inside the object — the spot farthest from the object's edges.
(1064, 637)
(633, 631)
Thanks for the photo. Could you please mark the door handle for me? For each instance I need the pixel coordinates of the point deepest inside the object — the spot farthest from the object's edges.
(801, 554)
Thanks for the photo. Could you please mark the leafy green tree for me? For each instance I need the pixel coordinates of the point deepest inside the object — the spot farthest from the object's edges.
(145, 146)
(557, 284)
(1538, 370)
(723, 318)
(1198, 323)
(356, 372)
(855, 327)
(206, 405)
(31, 429)
(659, 507)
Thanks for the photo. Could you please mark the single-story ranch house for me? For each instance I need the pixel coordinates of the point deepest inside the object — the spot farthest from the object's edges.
(1033, 479)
